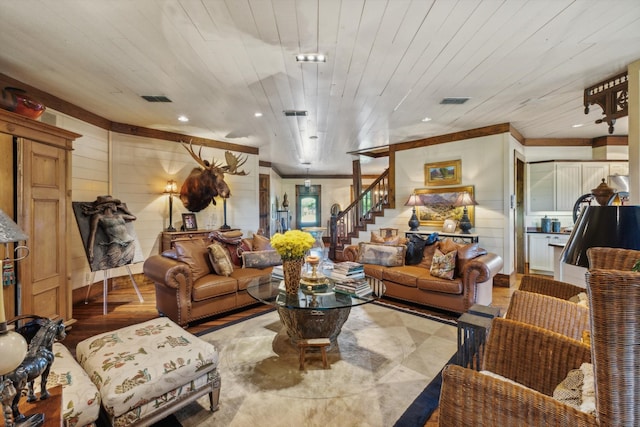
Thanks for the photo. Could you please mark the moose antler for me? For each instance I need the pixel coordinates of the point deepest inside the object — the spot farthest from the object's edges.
(233, 163)
(198, 157)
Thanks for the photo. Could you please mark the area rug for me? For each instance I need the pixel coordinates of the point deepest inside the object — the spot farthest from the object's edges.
(383, 362)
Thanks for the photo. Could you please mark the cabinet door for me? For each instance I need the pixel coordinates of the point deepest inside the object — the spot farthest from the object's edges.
(540, 253)
(568, 185)
(43, 274)
(592, 175)
(541, 186)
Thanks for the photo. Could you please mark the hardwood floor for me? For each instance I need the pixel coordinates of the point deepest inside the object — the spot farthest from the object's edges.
(124, 309)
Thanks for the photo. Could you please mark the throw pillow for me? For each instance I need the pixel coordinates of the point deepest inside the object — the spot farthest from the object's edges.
(381, 254)
(260, 259)
(427, 255)
(194, 254)
(261, 243)
(220, 260)
(443, 265)
(578, 389)
(447, 245)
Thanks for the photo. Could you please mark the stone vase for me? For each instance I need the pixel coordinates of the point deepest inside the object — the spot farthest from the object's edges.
(292, 269)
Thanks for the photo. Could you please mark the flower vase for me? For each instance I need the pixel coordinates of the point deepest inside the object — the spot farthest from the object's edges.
(292, 269)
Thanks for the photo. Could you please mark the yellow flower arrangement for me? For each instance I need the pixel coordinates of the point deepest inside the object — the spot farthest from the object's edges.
(292, 244)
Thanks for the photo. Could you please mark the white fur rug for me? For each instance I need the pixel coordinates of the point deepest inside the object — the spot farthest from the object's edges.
(384, 359)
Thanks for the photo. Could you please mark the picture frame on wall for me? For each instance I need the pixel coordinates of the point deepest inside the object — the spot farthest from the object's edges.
(439, 205)
(189, 222)
(443, 173)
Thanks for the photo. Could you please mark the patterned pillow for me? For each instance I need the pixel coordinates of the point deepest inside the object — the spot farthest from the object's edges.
(443, 265)
(381, 254)
(220, 260)
(260, 259)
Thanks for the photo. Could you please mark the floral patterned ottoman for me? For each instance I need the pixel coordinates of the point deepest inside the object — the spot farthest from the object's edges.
(80, 397)
(146, 371)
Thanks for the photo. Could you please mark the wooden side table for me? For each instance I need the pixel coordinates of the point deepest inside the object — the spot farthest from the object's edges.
(51, 407)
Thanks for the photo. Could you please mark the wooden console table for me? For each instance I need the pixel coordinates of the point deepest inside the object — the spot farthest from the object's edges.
(457, 237)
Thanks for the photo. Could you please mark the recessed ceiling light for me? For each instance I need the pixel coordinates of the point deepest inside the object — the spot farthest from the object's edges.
(577, 125)
(426, 119)
(311, 57)
(258, 114)
(313, 137)
(183, 119)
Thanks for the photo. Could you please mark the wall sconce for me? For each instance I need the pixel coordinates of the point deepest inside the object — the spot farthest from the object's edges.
(465, 199)
(171, 188)
(13, 346)
(414, 200)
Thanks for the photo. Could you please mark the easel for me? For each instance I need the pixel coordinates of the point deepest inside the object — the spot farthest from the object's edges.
(105, 287)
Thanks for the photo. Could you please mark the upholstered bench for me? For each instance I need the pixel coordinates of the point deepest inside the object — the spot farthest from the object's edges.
(80, 397)
(146, 371)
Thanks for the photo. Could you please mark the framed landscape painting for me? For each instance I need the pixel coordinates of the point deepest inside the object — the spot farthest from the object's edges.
(438, 205)
(443, 173)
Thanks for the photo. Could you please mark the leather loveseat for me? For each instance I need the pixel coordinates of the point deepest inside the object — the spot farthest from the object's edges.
(189, 287)
(472, 280)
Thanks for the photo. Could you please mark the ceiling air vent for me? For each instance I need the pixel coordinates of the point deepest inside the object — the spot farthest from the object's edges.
(454, 100)
(295, 113)
(156, 98)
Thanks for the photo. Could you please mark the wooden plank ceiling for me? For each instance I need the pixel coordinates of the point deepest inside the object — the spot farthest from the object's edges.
(390, 63)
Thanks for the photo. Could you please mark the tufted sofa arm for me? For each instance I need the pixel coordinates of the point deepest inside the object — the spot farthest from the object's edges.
(350, 253)
(176, 277)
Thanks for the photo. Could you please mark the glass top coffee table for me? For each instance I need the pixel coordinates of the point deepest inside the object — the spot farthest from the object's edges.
(313, 314)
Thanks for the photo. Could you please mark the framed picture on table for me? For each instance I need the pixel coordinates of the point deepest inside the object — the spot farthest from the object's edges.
(189, 222)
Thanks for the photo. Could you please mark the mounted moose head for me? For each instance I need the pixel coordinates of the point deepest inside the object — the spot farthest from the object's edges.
(206, 182)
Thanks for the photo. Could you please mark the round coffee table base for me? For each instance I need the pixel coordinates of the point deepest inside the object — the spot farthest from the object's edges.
(305, 324)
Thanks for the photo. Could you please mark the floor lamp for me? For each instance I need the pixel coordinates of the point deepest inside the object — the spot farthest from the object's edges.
(224, 208)
(13, 346)
(171, 189)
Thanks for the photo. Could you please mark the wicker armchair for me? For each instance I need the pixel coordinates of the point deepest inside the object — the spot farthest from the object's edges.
(612, 258)
(538, 359)
(555, 314)
(547, 286)
(534, 357)
(614, 300)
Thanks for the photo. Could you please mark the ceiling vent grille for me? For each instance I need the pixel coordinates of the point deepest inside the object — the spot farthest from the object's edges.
(295, 113)
(156, 98)
(454, 100)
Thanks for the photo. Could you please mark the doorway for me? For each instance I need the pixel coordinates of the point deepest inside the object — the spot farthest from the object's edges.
(308, 203)
(520, 238)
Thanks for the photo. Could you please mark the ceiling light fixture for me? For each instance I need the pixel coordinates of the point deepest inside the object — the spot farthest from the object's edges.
(426, 119)
(183, 119)
(257, 114)
(577, 125)
(307, 181)
(311, 57)
(313, 137)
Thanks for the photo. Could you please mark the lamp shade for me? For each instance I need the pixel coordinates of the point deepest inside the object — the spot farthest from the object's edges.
(602, 226)
(9, 230)
(414, 200)
(171, 187)
(465, 199)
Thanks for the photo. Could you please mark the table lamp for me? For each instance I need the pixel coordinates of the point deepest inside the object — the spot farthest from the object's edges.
(465, 199)
(414, 200)
(602, 226)
(171, 189)
(13, 346)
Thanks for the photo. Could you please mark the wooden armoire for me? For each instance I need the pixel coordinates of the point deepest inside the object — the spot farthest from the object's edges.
(35, 158)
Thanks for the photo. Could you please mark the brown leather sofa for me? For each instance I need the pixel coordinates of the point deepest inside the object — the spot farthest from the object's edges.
(472, 282)
(187, 287)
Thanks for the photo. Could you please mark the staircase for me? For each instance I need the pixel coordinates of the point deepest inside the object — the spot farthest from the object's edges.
(348, 223)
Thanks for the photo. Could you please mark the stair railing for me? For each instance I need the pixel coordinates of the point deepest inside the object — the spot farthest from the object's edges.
(348, 223)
